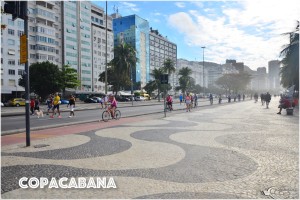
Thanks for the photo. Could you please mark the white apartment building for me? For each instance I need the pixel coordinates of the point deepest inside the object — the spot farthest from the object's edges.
(44, 32)
(76, 33)
(11, 69)
(197, 72)
(99, 45)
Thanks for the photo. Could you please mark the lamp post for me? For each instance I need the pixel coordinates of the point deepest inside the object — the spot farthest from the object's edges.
(203, 71)
(131, 85)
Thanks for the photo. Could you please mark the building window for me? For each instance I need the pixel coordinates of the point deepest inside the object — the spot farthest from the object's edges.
(11, 22)
(11, 62)
(11, 32)
(11, 42)
(11, 52)
(11, 72)
(11, 82)
(20, 33)
(20, 72)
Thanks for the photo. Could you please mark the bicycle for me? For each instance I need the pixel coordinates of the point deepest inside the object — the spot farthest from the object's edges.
(168, 108)
(107, 115)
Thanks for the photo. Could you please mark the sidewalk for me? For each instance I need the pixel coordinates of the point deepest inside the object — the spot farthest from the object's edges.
(233, 151)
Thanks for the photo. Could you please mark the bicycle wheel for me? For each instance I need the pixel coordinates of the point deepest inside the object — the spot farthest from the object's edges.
(105, 116)
(117, 114)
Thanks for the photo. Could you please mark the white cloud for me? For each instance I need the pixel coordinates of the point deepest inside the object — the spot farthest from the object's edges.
(232, 40)
(129, 6)
(180, 4)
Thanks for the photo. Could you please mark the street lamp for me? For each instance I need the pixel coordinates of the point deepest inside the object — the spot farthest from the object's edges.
(203, 70)
(131, 85)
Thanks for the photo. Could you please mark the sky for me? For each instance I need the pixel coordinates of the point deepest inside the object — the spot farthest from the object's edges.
(249, 31)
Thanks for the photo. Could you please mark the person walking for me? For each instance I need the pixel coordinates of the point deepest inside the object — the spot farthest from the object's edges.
(195, 100)
(284, 103)
(32, 106)
(188, 102)
(49, 103)
(267, 99)
(37, 104)
(180, 98)
(72, 106)
(56, 102)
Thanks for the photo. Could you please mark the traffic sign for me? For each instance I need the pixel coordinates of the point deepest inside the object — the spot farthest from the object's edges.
(23, 49)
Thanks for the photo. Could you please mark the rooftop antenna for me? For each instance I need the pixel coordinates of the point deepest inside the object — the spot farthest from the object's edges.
(114, 8)
(117, 10)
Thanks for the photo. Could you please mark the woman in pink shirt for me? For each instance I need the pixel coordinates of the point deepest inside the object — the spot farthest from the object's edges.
(113, 105)
(188, 102)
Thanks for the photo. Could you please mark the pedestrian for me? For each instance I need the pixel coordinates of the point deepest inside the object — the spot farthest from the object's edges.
(49, 103)
(220, 99)
(255, 97)
(101, 102)
(188, 102)
(180, 98)
(262, 98)
(267, 99)
(72, 106)
(196, 100)
(105, 101)
(229, 98)
(37, 104)
(32, 106)
(244, 97)
(56, 102)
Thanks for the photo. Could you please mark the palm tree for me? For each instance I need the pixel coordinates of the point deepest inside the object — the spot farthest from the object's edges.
(185, 81)
(290, 70)
(156, 73)
(168, 67)
(123, 62)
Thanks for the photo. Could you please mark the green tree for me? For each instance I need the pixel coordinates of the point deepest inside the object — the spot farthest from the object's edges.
(234, 82)
(120, 66)
(45, 78)
(69, 78)
(290, 69)
(186, 82)
(168, 67)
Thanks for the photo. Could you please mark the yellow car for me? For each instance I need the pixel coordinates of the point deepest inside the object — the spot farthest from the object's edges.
(17, 102)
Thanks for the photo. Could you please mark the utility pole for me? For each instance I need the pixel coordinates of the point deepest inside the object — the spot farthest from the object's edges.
(203, 71)
(106, 48)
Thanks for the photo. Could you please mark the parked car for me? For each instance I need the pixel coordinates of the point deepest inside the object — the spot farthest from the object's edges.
(122, 98)
(16, 102)
(90, 100)
(98, 99)
(139, 98)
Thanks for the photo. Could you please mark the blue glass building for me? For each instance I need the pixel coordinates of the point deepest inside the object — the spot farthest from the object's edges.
(134, 30)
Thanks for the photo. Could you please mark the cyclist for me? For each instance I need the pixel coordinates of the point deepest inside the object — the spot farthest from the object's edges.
(113, 105)
(169, 102)
(211, 99)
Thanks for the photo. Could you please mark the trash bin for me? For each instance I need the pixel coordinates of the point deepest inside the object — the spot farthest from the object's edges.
(289, 111)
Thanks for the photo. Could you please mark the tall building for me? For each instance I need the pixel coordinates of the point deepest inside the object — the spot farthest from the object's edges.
(11, 69)
(99, 45)
(274, 76)
(134, 30)
(77, 40)
(44, 32)
(160, 49)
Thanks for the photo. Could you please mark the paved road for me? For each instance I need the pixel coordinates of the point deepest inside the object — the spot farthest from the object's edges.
(241, 150)
(84, 113)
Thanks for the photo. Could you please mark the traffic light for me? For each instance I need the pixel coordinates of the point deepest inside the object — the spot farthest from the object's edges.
(11, 7)
(16, 8)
